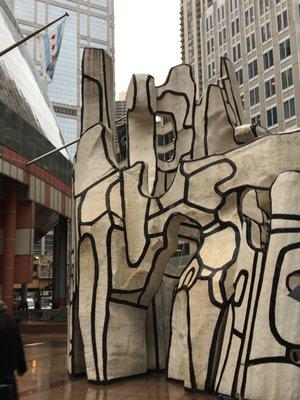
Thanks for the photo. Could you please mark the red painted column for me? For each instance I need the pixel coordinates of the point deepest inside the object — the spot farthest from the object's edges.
(10, 219)
(24, 243)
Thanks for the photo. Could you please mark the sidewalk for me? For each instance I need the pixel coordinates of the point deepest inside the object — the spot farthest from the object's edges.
(47, 378)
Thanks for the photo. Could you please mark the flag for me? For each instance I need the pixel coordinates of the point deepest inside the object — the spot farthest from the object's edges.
(50, 45)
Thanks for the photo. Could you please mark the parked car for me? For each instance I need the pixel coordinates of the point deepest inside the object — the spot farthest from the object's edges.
(46, 303)
(30, 303)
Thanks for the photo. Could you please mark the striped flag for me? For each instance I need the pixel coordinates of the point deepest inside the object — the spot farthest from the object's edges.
(49, 45)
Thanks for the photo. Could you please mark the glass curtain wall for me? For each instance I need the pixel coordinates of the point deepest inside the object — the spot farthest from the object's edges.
(90, 23)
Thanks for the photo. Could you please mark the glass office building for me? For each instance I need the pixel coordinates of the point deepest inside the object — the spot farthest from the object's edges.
(34, 198)
(90, 23)
(27, 121)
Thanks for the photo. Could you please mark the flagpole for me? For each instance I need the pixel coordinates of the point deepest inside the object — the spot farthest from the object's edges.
(62, 147)
(52, 152)
(31, 35)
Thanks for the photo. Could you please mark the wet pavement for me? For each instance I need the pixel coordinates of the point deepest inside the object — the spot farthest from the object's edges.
(47, 378)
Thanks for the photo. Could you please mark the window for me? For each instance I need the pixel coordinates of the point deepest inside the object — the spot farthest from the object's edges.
(30, 47)
(282, 20)
(265, 32)
(164, 140)
(235, 27)
(268, 59)
(221, 13)
(255, 119)
(239, 76)
(287, 78)
(285, 49)
(254, 96)
(222, 36)
(98, 28)
(289, 108)
(65, 76)
(233, 5)
(41, 12)
(166, 156)
(24, 9)
(64, 110)
(272, 116)
(252, 69)
(249, 16)
(210, 45)
(270, 87)
(102, 3)
(68, 127)
(264, 6)
(236, 52)
(83, 24)
(243, 100)
(211, 70)
(250, 41)
(209, 22)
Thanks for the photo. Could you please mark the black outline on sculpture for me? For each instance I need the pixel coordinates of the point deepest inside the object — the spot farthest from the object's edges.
(189, 215)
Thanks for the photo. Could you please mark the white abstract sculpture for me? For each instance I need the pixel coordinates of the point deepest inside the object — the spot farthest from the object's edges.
(232, 190)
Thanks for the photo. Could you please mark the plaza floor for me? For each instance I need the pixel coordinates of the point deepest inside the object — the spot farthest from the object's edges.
(47, 379)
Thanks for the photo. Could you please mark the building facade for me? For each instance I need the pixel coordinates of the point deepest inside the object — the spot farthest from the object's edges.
(262, 38)
(120, 109)
(90, 23)
(35, 198)
(190, 27)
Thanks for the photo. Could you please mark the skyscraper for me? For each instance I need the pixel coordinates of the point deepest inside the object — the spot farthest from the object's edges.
(190, 27)
(120, 108)
(262, 38)
(90, 23)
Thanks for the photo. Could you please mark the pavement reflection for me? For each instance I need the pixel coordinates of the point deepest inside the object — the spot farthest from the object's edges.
(47, 378)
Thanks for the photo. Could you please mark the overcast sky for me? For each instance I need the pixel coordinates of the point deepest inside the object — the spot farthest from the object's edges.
(147, 39)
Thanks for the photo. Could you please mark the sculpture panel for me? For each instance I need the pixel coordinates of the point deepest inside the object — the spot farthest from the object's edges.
(231, 190)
